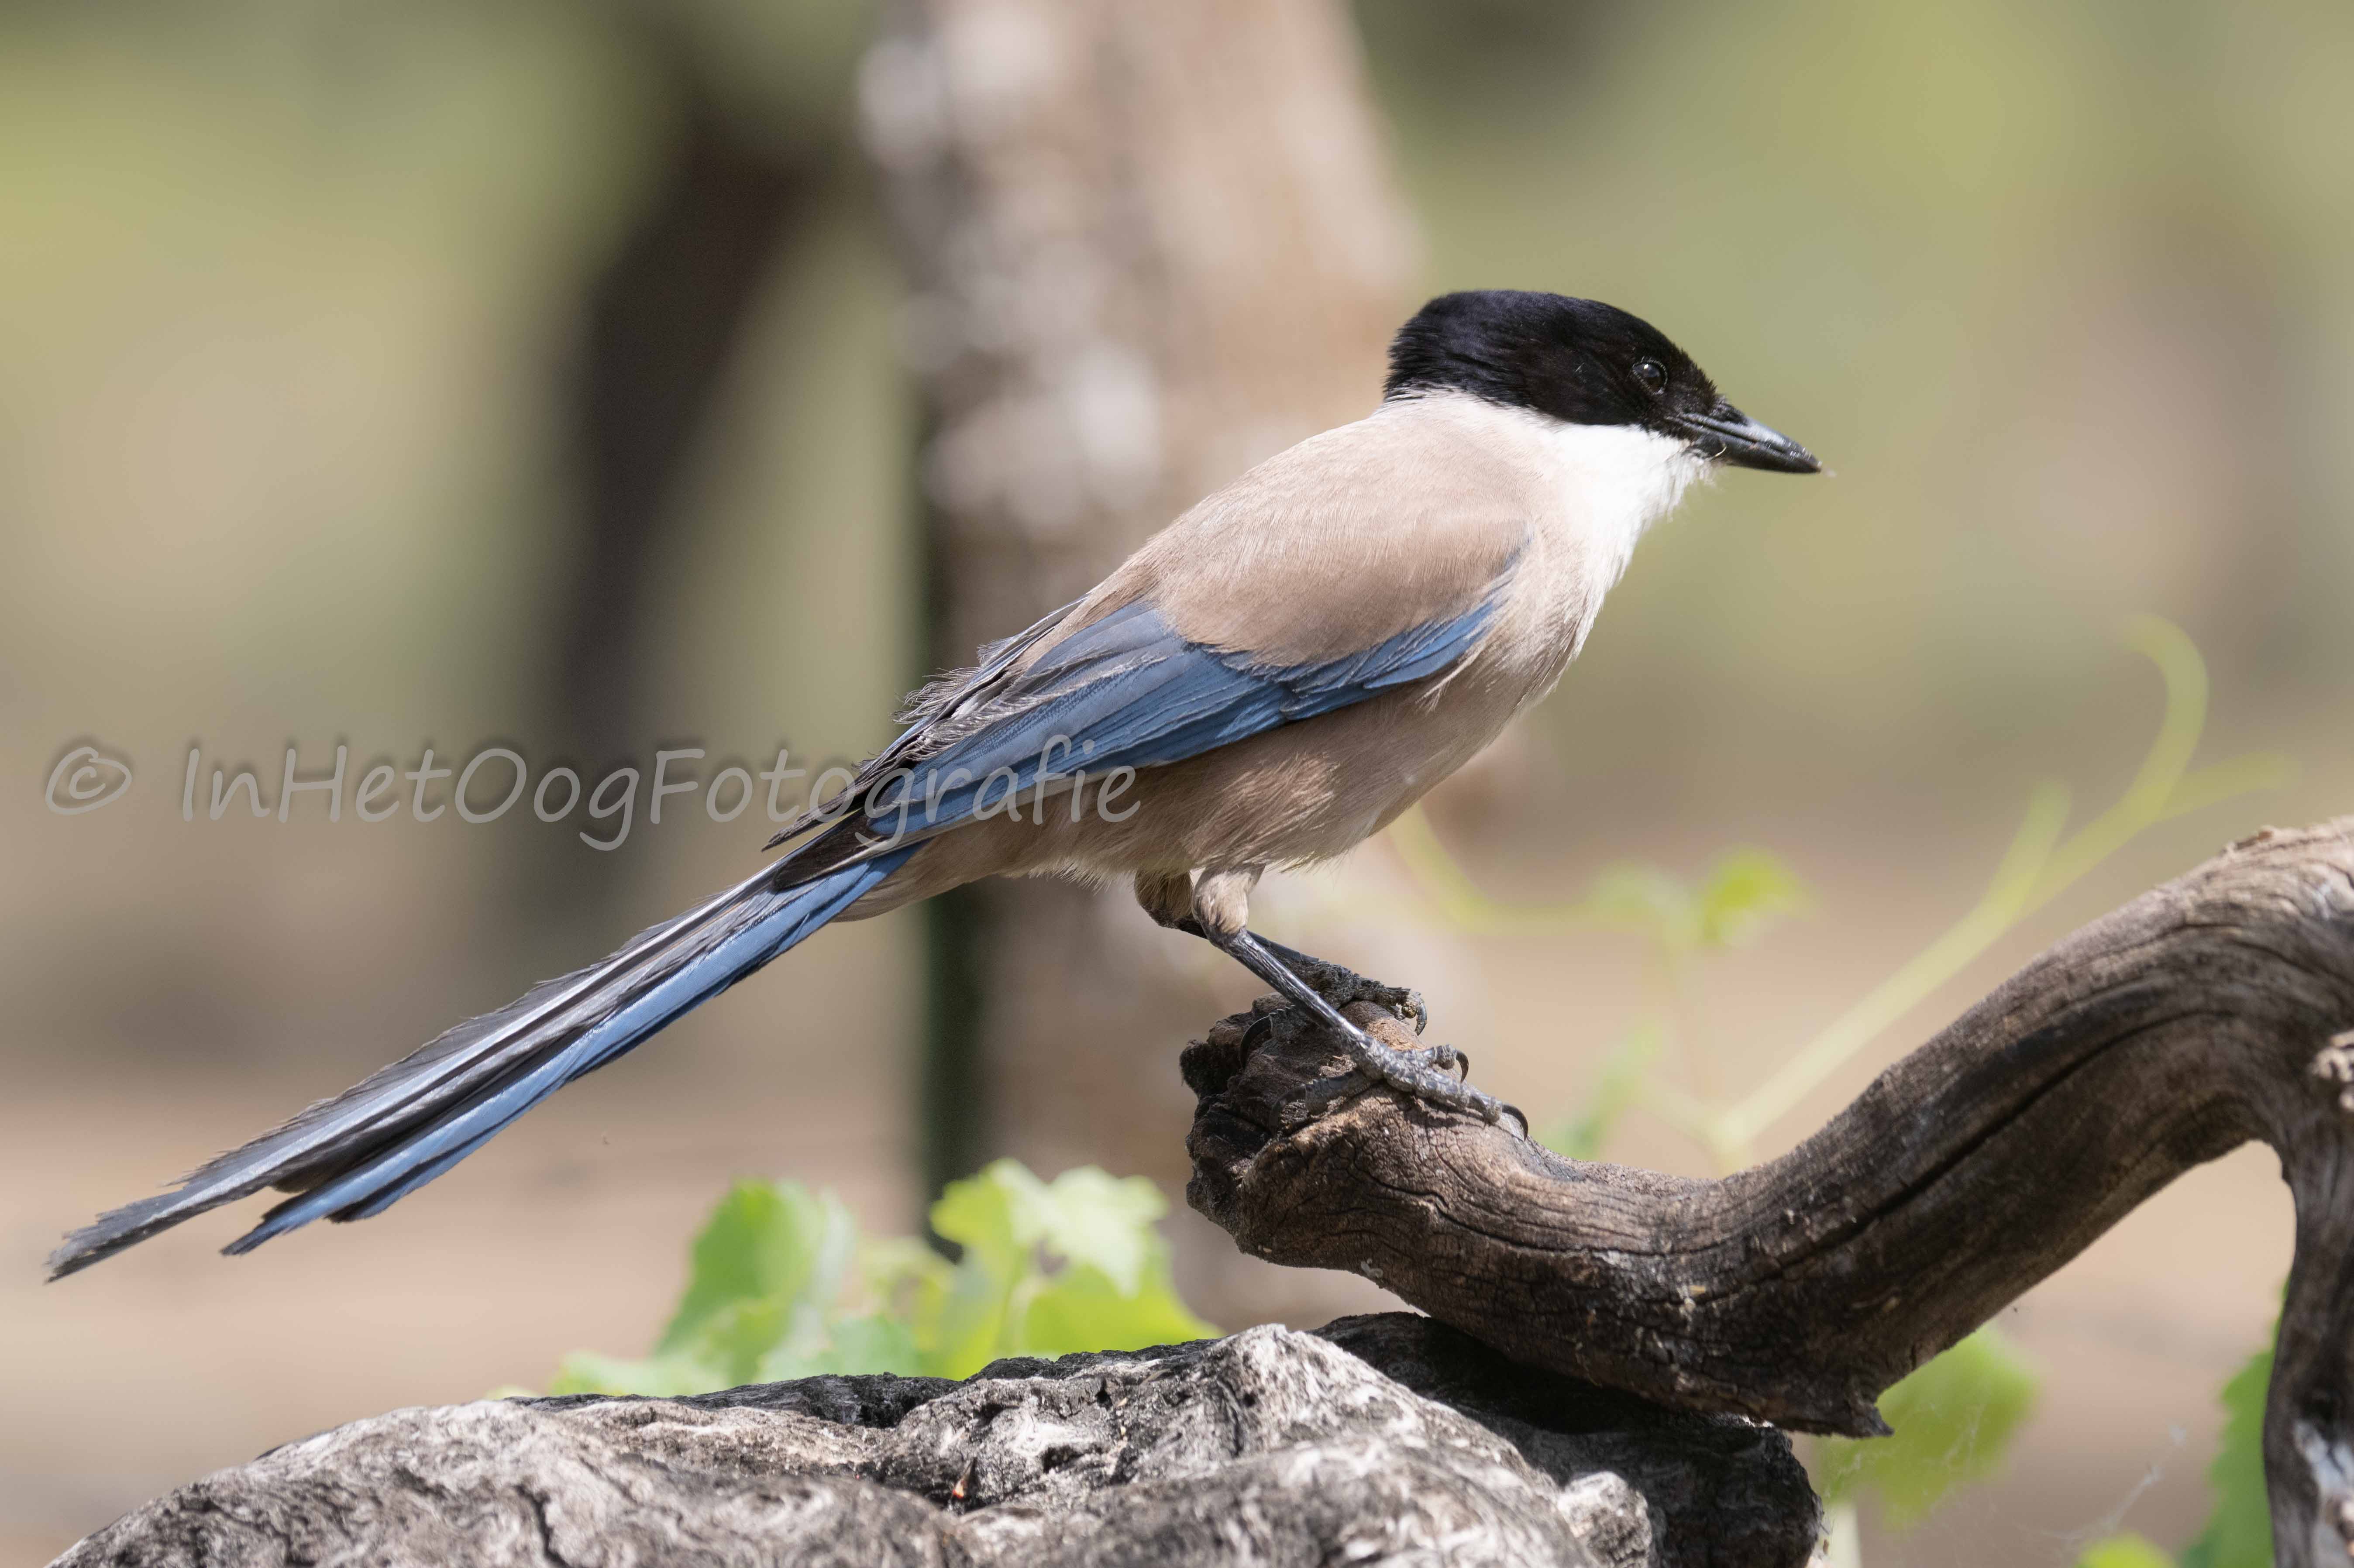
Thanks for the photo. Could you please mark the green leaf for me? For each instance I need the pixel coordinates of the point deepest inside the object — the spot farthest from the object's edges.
(874, 1344)
(905, 1281)
(781, 1286)
(1105, 1223)
(971, 1324)
(1954, 1417)
(1083, 1308)
(995, 1217)
(765, 1241)
(742, 1334)
(868, 1344)
(1616, 1085)
(2239, 1532)
(2125, 1551)
(891, 1266)
(1747, 893)
(1111, 1290)
(663, 1377)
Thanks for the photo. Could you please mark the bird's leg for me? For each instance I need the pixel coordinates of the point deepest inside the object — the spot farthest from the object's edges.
(1412, 1071)
(1310, 968)
(1215, 905)
(1318, 973)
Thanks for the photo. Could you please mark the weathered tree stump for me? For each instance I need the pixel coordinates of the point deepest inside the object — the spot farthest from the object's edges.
(1380, 1439)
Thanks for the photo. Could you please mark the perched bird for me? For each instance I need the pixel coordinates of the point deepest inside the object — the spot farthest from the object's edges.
(1272, 678)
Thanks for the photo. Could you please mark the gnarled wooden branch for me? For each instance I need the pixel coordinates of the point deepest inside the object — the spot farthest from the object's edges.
(2211, 1010)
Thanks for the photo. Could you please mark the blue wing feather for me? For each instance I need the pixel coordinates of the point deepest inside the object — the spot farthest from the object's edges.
(1128, 690)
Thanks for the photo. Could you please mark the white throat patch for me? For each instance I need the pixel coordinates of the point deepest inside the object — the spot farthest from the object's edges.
(1613, 482)
(1617, 480)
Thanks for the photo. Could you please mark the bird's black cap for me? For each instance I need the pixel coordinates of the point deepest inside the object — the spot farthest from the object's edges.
(1580, 360)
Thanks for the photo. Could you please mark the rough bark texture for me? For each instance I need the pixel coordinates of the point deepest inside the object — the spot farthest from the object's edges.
(1149, 245)
(1378, 1439)
(2209, 1011)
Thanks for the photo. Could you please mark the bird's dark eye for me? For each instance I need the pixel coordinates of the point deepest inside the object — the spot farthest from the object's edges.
(1652, 374)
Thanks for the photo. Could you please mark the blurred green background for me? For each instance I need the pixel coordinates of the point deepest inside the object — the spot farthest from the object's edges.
(302, 310)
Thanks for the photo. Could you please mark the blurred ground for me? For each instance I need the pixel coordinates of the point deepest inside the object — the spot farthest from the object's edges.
(289, 303)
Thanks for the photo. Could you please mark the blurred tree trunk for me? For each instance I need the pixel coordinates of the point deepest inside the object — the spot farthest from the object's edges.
(1150, 245)
(658, 329)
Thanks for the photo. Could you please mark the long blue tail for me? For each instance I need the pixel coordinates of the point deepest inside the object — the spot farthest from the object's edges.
(364, 1150)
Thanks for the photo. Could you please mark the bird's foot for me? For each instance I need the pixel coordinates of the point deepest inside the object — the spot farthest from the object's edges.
(1434, 1074)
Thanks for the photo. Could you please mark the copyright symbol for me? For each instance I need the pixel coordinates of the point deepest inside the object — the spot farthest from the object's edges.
(83, 780)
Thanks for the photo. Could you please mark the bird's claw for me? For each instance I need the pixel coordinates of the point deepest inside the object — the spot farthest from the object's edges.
(1447, 1059)
(1433, 1073)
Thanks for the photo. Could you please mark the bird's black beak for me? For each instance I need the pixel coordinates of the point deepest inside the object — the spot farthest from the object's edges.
(1725, 434)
